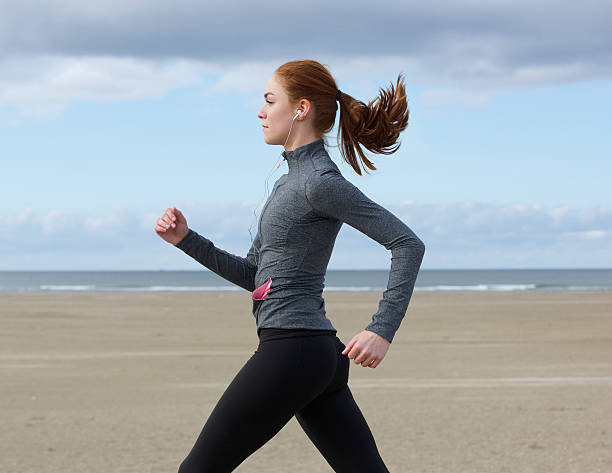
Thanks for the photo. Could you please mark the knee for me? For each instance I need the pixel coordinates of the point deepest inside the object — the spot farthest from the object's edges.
(185, 467)
(188, 466)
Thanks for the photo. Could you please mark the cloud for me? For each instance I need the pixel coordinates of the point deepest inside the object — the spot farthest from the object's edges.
(56, 52)
(46, 85)
(456, 234)
(473, 225)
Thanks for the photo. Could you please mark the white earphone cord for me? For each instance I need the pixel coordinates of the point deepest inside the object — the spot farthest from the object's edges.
(275, 166)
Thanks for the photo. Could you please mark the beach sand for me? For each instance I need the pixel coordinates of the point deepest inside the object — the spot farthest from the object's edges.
(473, 382)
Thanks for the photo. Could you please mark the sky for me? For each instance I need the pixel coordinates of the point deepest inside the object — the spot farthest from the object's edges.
(111, 115)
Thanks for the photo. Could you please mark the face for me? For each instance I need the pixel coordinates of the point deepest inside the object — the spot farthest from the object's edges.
(276, 113)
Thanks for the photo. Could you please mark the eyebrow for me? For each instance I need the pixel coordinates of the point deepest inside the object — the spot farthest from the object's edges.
(268, 93)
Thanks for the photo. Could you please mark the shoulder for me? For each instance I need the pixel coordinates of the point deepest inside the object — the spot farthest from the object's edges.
(323, 170)
(322, 180)
(327, 187)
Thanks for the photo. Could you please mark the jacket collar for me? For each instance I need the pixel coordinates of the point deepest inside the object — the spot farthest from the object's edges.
(297, 154)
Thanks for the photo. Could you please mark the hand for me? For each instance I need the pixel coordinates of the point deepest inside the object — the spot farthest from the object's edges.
(172, 226)
(367, 348)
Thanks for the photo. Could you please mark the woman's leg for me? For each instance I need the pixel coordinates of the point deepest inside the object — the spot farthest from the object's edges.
(336, 426)
(280, 378)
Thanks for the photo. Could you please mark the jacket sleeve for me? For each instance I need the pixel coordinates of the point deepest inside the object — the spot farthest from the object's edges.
(331, 195)
(238, 270)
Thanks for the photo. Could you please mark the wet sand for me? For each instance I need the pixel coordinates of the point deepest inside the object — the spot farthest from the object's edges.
(473, 382)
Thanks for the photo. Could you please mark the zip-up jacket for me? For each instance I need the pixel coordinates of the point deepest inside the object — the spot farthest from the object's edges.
(286, 264)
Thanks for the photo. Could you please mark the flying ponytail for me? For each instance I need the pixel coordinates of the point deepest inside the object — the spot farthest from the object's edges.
(375, 126)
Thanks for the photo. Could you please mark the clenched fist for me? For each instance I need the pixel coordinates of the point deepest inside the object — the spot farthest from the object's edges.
(172, 226)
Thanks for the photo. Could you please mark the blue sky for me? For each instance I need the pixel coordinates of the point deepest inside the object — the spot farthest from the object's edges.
(505, 162)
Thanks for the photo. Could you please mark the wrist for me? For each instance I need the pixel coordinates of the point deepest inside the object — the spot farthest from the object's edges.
(184, 238)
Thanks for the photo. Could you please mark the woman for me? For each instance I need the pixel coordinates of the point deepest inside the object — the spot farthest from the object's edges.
(300, 367)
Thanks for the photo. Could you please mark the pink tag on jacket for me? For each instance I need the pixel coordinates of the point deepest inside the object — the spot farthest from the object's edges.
(262, 291)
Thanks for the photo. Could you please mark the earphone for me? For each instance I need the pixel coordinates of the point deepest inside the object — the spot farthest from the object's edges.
(296, 115)
(276, 166)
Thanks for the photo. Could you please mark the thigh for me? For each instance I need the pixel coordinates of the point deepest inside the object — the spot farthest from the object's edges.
(263, 396)
(336, 426)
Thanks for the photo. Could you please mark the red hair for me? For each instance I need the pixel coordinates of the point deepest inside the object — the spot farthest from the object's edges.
(375, 126)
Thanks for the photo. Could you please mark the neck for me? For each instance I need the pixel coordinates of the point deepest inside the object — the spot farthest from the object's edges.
(308, 149)
(300, 137)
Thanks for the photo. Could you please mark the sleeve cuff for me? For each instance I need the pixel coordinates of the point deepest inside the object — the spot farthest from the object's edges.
(186, 239)
(382, 331)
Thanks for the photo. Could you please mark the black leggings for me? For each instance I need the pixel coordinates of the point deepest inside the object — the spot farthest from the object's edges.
(292, 372)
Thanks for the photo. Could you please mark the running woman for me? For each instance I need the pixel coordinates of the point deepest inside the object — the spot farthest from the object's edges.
(300, 367)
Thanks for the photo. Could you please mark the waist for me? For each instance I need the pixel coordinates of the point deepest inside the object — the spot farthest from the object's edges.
(273, 333)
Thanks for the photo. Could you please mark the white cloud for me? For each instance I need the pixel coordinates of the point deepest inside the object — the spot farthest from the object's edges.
(54, 53)
(456, 234)
(592, 234)
(46, 84)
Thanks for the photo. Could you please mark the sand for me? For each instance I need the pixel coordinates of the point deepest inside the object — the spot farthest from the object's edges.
(473, 382)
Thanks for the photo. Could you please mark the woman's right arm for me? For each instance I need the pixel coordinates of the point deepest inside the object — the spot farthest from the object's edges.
(172, 227)
(333, 196)
(238, 270)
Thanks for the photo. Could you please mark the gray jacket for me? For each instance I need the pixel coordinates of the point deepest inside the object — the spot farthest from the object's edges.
(286, 265)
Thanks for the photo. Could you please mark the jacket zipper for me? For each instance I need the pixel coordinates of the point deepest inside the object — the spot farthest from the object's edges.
(276, 186)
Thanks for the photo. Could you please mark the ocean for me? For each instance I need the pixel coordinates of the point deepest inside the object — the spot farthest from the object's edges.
(479, 280)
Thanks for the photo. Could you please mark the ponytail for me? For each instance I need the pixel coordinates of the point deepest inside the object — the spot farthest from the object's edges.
(375, 126)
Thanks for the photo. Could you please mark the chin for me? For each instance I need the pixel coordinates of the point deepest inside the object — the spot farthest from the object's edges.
(270, 140)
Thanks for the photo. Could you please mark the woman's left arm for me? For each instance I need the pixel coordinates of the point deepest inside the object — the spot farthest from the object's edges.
(331, 195)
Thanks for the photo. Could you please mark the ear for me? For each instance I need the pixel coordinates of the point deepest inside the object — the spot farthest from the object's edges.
(303, 105)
